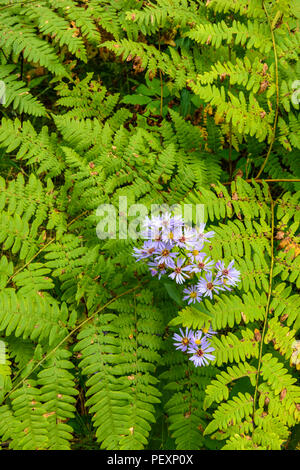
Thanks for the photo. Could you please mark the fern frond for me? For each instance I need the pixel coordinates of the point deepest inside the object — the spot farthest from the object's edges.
(57, 394)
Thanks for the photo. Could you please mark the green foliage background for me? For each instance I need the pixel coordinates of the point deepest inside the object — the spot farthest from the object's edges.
(169, 101)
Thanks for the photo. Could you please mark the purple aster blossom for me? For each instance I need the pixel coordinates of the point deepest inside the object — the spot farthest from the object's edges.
(192, 294)
(168, 236)
(178, 271)
(166, 256)
(199, 339)
(166, 221)
(157, 269)
(155, 236)
(209, 332)
(186, 238)
(152, 223)
(152, 233)
(203, 236)
(150, 227)
(158, 243)
(176, 228)
(147, 223)
(229, 275)
(201, 354)
(208, 286)
(168, 226)
(177, 222)
(147, 250)
(195, 253)
(202, 264)
(182, 342)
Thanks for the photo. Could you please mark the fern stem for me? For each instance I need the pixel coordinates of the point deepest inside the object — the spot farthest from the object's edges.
(277, 95)
(267, 308)
(21, 78)
(161, 81)
(230, 128)
(276, 180)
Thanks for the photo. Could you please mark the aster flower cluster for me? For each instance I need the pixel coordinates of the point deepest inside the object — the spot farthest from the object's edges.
(174, 249)
(196, 344)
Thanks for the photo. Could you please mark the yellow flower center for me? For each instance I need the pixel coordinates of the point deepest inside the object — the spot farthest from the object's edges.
(193, 295)
(197, 341)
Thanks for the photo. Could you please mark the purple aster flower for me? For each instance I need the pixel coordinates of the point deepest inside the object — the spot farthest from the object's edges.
(192, 294)
(155, 236)
(186, 238)
(177, 222)
(157, 241)
(209, 332)
(201, 235)
(195, 253)
(166, 256)
(199, 339)
(147, 250)
(202, 264)
(208, 285)
(182, 342)
(157, 269)
(166, 221)
(152, 223)
(201, 354)
(169, 222)
(229, 275)
(168, 236)
(178, 271)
